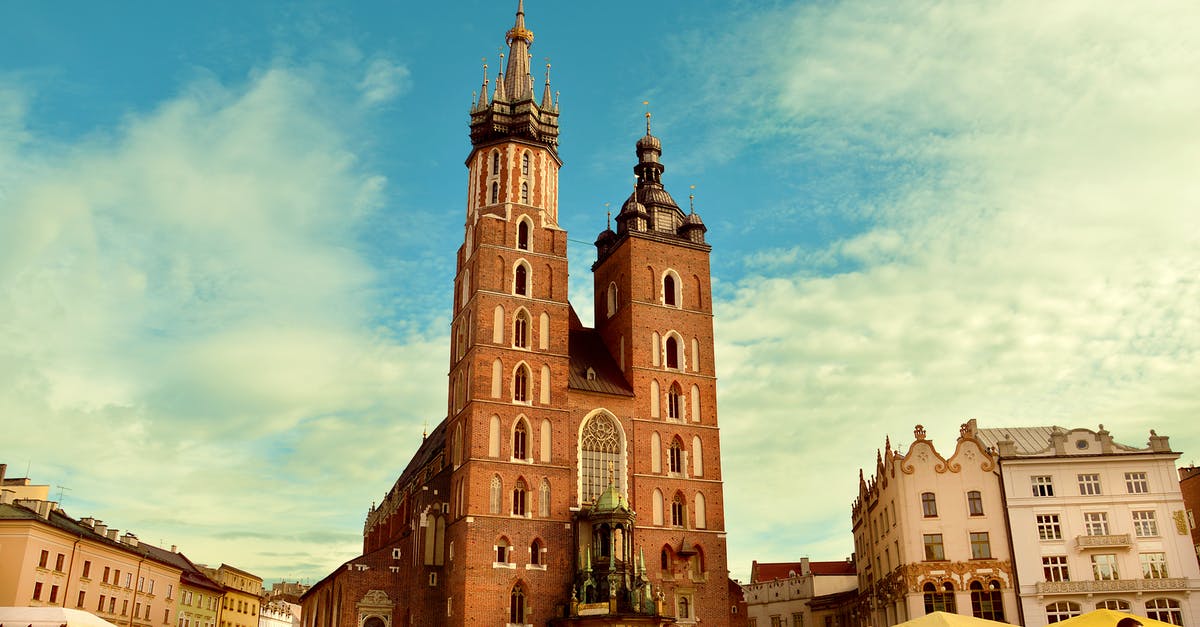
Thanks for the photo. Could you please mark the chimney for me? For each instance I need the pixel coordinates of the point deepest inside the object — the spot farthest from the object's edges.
(6, 496)
(112, 534)
(129, 539)
(805, 569)
(1058, 440)
(1159, 443)
(88, 522)
(101, 528)
(3, 471)
(174, 549)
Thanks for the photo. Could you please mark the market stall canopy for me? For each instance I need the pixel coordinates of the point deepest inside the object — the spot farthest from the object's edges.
(1108, 618)
(946, 619)
(49, 617)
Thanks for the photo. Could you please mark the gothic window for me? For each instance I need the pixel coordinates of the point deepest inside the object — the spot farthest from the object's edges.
(699, 513)
(521, 384)
(675, 457)
(520, 441)
(665, 558)
(675, 402)
(677, 510)
(502, 551)
(518, 498)
(498, 324)
(612, 299)
(523, 228)
(654, 397)
(987, 604)
(456, 446)
(655, 355)
(656, 500)
(697, 457)
(672, 352)
(545, 440)
(655, 452)
(495, 162)
(525, 164)
(695, 400)
(670, 289)
(495, 192)
(544, 331)
(544, 499)
(544, 388)
(494, 496)
(939, 599)
(535, 552)
(521, 280)
(521, 329)
(601, 444)
(525, 193)
(494, 436)
(516, 606)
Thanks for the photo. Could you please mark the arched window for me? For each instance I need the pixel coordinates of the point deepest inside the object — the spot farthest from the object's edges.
(535, 552)
(656, 500)
(699, 513)
(520, 441)
(684, 610)
(523, 232)
(494, 496)
(1061, 610)
(1166, 610)
(521, 329)
(666, 559)
(544, 386)
(494, 436)
(525, 163)
(495, 192)
(544, 440)
(675, 457)
(654, 397)
(1119, 605)
(677, 510)
(516, 605)
(655, 355)
(655, 452)
(939, 599)
(601, 443)
(495, 162)
(521, 384)
(670, 290)
(695, 402)
(521, 280)
(456, 454)
(502, 553)
(697, 457)
(929, 504)
(498, 324)
(612, 299)
(525, 193)
(518, 498)
(544, 499)
(672, 352)
(544, 331)
(987, 604)
(674, 401)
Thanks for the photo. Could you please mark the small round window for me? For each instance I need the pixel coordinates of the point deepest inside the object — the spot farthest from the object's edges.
(1081, 444)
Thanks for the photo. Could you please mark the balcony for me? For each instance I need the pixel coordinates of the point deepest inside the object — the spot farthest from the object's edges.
(1112, 585)
(1117, 540)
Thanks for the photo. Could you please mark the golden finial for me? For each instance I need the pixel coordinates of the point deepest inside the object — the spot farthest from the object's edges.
(646, 103)
(692, 198)
(609, 213)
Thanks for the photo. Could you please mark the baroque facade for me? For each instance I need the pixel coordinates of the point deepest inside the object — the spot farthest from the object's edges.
(576, 478)
(1096, 524)
(930, 534)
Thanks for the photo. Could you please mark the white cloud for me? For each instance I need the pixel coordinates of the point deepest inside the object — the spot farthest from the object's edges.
(1031, 258)
(384, 80)
(186, 312)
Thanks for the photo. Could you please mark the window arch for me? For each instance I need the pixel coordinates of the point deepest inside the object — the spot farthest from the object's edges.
(656, 501)
(1061, 610)
(456, 452)
(700, 512)
(675, 456)
(521, 278)
(498, 324)
(611, 299)
(673, 351)
(497, 371)
(685, 611)
(670, 289)
(1120, 605)
(495, 162)
(939, 598)
(674, 401)
(544, 331)
(678, 509)
(544, 386)
(465, 288)
(544, 441)
(655, 356)
(535, 552)
(655, 392)
(544, 498)
(495, 192)
(1165, 610)
(494, 496)
(521, 384)
(518, 498)
(697, 457)
(525, 163)
(524, 193)
(665, 558)
(521, 329)
(695, 355)
(516, 605)
(695, 410)
(601, 443)
(520, 440)
(655, 452)
(987, 604)
(494, 436)
(523, 226)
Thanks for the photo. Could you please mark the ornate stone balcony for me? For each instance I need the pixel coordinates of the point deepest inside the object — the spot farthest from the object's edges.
(1117, 540)
(1112, 585)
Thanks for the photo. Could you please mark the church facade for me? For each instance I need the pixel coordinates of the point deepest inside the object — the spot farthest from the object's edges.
(576, 477)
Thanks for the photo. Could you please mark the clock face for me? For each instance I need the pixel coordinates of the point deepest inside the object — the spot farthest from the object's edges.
(1081, 444)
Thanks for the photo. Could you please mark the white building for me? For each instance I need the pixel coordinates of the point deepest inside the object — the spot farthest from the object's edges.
(800, 594)
(1095, 524)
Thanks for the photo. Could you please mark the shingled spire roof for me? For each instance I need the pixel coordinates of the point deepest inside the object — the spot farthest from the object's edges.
(517, 78)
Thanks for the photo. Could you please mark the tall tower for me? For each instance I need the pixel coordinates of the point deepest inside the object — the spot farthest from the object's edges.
(507, 407)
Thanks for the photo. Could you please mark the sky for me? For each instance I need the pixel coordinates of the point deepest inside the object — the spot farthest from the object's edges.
(227, 240)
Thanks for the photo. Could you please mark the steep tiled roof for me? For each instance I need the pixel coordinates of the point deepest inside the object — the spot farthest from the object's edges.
(588, 351)
(770, 571)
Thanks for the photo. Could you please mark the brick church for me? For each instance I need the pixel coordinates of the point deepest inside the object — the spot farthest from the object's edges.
(576, 477)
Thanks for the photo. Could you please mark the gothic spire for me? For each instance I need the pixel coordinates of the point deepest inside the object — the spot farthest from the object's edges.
(547, 101)
(517, 81)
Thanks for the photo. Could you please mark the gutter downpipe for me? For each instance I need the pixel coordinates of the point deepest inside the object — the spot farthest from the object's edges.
(1011, 548)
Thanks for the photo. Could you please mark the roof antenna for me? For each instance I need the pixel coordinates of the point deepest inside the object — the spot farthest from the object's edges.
(608, 212)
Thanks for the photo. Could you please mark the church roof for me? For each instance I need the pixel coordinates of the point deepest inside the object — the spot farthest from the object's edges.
(592, 367)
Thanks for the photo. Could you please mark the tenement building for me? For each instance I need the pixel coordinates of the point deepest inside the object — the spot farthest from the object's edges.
(930, 534)
(1096, 524)
(576, 477)
(801, 594)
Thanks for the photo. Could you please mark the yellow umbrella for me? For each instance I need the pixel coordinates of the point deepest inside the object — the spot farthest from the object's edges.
(1108, 618)
(946, 619)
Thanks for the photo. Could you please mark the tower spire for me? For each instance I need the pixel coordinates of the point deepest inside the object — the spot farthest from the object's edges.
(519, 38)
(547, 101)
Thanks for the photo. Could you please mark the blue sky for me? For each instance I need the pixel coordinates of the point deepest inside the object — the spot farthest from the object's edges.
(227, 234)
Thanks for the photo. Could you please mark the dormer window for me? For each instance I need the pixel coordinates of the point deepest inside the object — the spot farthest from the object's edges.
(591, 374)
